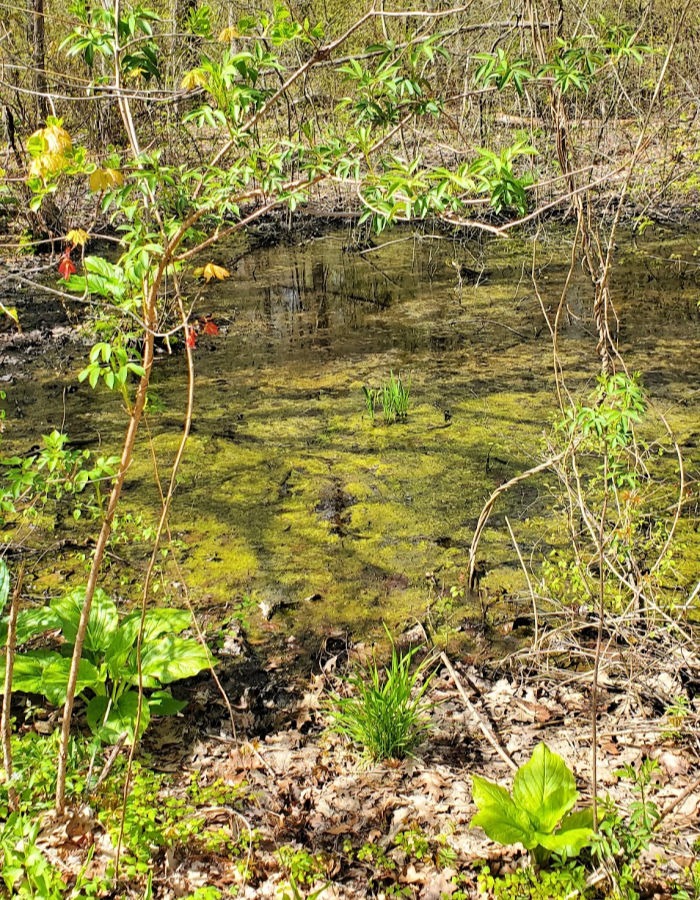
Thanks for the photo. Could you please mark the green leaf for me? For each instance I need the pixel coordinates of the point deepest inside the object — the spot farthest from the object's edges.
(162, 703)
(31, 622)
(158, 622)
(171, 657)
(4, 584)
(544, 788)
(110, 722)
(569, 844)
(28, 670)
(574, 833)
(122, 643)
(102, 622)
(163, 621)
(54, 679)
(499, 816)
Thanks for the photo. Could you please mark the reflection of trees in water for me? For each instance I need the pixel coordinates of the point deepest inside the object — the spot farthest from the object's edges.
(315, 297)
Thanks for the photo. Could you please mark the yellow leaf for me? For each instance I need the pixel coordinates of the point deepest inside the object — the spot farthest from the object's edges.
(228, 34)
(50, 163)
(48, 146)
(103, 179)
(213, 271)
(193, 79)
(57, 139)
(77, 237)
(10, 311)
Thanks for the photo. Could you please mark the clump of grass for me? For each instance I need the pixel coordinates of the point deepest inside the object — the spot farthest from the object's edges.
(385, 712)
(393, 396)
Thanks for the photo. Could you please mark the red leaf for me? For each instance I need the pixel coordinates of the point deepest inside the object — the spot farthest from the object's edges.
(191, 339)
(66, 268)
(210, 327)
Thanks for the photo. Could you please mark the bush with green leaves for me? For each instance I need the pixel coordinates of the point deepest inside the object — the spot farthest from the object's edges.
(25, 870)
(108, 676)
(623, 837)
(538, 814)
(54, 475)
(385, 712)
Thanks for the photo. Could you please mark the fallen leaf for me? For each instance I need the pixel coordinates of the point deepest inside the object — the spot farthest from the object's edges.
(673, 763)
(439, 885)
(411, 875)
(610, 747)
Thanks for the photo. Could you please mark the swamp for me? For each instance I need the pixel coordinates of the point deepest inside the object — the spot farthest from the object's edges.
(349, 421)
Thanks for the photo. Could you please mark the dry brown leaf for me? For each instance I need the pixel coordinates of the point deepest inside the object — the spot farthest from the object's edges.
(439, 885)
(673, 763)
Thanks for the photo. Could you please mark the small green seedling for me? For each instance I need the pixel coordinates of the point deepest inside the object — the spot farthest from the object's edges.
(538, 813)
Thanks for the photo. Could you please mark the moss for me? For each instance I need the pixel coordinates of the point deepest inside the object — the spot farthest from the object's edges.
(287, 488)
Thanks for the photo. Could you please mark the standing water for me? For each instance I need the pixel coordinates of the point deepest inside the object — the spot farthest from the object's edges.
(292, 497)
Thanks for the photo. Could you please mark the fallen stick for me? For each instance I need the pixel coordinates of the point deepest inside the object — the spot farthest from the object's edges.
(486, 729)
(488, 507)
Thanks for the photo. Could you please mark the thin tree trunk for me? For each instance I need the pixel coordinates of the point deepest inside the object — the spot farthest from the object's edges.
(5, 723)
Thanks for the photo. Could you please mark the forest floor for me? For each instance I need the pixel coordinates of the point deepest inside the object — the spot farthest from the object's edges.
(298, 812)
(286, 808)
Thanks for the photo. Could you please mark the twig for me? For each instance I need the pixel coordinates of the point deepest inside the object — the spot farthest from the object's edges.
(109, 763)
(488, 506)
(5, 725)
(691, 788)
(529, 585)
(486, 729)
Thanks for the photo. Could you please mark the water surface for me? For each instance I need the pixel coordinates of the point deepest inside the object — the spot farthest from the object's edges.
(291, 496)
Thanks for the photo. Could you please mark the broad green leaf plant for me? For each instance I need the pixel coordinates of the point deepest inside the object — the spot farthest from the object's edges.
(538, 813)
(108, 675)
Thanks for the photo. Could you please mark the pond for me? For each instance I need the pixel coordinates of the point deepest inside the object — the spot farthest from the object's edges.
(298, 511)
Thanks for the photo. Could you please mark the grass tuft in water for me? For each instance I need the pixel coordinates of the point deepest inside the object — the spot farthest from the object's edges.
(395, 396)
(371, 396)
(385, 712)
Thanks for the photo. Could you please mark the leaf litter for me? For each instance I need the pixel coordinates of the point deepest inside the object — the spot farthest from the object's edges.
(403, 826)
